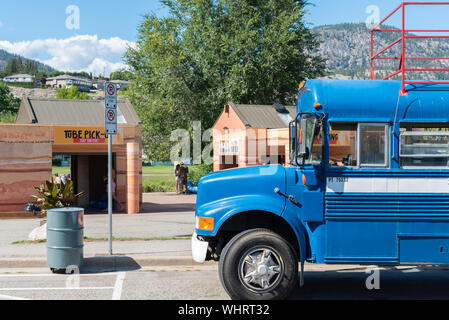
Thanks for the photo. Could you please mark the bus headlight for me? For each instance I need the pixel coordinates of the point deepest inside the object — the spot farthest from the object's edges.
(204, 223)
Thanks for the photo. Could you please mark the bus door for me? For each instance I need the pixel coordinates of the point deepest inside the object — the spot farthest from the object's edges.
(305, 182)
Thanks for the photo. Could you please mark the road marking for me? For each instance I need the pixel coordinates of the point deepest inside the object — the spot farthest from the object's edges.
(411, 270)
(61, 276)
(55, 288)
(2, 296)
(117, 294)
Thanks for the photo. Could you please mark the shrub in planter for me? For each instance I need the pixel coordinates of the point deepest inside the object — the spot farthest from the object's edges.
(56, 195)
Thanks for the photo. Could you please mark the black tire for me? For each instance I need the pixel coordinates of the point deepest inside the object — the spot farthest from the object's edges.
(234, 270)
(58, 271)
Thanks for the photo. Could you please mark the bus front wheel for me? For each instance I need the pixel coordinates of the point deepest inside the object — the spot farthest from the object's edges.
(258, 265)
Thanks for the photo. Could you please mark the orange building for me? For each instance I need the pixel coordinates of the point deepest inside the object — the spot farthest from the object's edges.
(246, 135)
(74, 128)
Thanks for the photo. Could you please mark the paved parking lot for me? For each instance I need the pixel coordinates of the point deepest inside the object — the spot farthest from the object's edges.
(150, 283)
(202, 283)
(61, 287)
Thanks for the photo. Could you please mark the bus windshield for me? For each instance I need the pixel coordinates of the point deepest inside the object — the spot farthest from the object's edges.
(309, 139)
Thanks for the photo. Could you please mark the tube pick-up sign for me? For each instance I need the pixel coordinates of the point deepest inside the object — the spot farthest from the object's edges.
(82, 135)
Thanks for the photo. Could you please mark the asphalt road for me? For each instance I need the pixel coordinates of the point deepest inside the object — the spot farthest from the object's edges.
(202, 283)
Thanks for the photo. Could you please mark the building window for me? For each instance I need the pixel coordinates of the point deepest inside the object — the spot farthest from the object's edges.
(424, 147)
(373, 141)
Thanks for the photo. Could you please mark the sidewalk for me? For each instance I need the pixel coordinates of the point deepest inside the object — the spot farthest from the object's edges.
(164, 215)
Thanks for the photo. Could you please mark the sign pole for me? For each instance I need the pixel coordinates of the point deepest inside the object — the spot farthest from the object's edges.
(110, 192)
(110, 130)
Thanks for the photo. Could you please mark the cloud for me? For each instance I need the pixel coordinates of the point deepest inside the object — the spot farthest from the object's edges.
(78, 53)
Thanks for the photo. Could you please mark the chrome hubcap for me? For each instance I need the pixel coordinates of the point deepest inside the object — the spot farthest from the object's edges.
(261, 269)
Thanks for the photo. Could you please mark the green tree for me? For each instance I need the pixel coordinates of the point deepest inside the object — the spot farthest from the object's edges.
(13, 67)
(9, 105)
(187, 65)
(72, 93)
(121, 75)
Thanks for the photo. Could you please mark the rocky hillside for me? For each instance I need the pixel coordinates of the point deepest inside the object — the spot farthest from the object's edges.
(34, 93)
(5, 57)
(347, 48)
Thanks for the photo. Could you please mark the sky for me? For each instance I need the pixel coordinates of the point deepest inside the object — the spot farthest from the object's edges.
(93, 35)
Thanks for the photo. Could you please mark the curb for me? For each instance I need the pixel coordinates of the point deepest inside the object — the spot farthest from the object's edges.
(110, 262)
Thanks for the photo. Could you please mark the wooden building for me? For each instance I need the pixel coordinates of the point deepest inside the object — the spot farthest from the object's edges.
(75, 128)
(246, 135)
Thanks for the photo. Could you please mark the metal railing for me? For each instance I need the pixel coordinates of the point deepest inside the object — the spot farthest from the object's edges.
(406, 34)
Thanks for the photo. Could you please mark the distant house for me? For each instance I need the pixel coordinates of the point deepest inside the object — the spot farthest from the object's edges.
(98, 84)
(121, 84)
(83, 84)
(20, 78)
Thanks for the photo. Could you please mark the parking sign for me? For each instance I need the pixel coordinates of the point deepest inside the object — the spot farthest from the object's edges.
(111, 108)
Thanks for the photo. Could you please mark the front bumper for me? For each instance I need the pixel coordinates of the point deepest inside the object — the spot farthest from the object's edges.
(199, 249)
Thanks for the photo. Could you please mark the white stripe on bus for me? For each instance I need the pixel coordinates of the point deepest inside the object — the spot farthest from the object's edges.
(387, 185)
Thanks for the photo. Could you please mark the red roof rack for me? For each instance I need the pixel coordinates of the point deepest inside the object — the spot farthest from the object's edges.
(405, 34)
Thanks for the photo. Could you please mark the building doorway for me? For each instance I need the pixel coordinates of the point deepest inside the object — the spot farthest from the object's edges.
(228, 162)
(88, 175)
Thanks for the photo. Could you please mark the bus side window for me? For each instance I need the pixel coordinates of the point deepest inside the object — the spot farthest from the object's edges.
(424, 146)
(373, 145)
(343, 145)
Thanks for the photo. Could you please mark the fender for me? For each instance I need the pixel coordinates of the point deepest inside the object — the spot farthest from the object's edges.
(221, 210)
(293, 219)
(226, 208)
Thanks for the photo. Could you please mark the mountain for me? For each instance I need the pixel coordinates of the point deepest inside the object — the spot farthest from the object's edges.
(347, 47)
(5, 57)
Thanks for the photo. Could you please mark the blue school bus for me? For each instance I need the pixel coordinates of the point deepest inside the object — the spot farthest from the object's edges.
(368, 184)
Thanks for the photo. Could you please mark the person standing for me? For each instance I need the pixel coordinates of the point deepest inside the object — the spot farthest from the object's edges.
(177, 178)
(184, 171)
(115, 201)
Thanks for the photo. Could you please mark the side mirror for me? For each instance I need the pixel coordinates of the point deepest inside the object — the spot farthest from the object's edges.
(292, 139)
(302, 147)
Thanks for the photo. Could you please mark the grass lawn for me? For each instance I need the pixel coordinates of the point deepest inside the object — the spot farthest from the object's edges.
(154, 178)
(158, 173)
(61, 170)
(158, 179)
(153, 173)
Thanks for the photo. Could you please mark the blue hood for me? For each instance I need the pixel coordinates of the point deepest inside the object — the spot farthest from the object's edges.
(225, 193)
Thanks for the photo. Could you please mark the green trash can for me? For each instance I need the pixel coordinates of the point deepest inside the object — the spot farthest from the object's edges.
(65, 238)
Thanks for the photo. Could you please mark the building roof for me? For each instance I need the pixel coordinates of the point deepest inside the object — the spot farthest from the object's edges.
(68, 77)
(264, 116)
(72, 112)
(19, 76)
(120, 81)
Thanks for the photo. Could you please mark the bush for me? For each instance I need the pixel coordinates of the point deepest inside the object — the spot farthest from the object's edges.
(197, 172)
(8, 117)
(56, 162)
(56, 195)
(26, 85)
(73, 93)
(158, 186)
